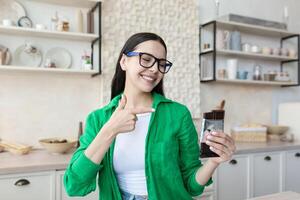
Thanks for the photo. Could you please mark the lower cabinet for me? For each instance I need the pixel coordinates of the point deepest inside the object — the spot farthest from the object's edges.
(258, 174)
(37, 186)
(232, 179)
(31, 186)
(292, 175)
(267, 173)
(62, 195)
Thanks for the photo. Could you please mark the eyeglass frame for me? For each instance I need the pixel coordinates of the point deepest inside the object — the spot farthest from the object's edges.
(157, 60)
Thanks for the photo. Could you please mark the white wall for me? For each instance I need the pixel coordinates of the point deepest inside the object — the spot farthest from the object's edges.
(249, 103)
(37, 105)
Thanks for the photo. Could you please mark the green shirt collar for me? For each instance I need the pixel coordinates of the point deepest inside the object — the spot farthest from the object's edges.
(157, 99)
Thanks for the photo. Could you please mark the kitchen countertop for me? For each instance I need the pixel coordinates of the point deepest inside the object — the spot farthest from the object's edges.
(36, 160)
(41, 160)
(248, 147)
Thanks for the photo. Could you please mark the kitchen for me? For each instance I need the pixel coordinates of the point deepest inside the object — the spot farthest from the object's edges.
(32, 108)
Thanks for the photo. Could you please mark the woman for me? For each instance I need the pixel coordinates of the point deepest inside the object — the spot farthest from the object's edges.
(142, 145)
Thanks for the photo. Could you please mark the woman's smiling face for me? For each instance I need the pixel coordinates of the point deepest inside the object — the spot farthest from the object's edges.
(143, 79)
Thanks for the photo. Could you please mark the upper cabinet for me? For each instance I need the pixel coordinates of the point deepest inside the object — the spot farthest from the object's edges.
(233, 52)
(51, 36)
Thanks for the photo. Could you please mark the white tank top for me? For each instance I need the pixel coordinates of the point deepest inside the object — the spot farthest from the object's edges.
(129, 157)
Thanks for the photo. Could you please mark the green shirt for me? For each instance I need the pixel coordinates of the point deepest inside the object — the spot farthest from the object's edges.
(171, 155)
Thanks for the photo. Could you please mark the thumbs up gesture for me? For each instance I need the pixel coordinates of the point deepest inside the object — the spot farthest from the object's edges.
(123, 120)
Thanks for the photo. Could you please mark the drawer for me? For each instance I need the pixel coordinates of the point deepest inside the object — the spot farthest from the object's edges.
(34, 186)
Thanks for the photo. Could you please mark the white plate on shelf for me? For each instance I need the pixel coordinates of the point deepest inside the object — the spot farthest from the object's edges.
(23, 58)
(12, 10)
(8, 54)
(61, 57)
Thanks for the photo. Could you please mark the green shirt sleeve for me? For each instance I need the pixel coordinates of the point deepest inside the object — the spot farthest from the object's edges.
(81, 173)
(189, 155)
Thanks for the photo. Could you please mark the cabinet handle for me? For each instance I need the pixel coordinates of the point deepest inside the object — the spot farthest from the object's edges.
(268, 158)
(233, 162)
(22, 182)
(297, 154)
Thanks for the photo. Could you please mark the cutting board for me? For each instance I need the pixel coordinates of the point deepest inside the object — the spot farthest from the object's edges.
(289, 115)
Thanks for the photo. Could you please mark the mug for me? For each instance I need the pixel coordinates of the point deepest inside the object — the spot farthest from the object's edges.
(246, 47)
(276, 52)
(243, 75)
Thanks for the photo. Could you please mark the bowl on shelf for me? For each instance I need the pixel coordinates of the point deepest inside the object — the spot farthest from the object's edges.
(276, 129)
(57, 145)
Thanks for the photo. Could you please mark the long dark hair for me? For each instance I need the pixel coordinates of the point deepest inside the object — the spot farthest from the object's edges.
(118, 81)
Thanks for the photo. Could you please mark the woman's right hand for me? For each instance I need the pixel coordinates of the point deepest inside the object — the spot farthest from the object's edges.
(123, 120)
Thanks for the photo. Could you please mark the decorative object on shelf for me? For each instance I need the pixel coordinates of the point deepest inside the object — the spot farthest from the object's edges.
(12, 10)
(5, 55)
(269, 76)
(232, 65)
(90, 22)
(292, 53)
(25, 22)
(54, 22)
(242, 74)
(255, 49)
(235, 41)
(60, 57)
(276, 51)
(286, 16)
(257, 72)
(28, 55)
(283, 76)
(266, 51)
(40, 27)
(63, 25)
(246, 47)
(223, 39)
(206, 46)
(7, 22)
(284, 52)
(86, 61)
(79, 17)
(253, 21)
(49, 63)
(222, 74)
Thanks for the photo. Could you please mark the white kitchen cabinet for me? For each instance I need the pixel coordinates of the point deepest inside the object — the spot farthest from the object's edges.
(233, 179)
(62, 195)
(33, 186)
(292, 175)
(267, 173)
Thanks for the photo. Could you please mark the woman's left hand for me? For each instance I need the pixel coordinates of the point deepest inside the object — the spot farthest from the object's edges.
(221, 144)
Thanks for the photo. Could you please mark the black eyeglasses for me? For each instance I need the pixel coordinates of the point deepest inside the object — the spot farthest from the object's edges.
(147, 61)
